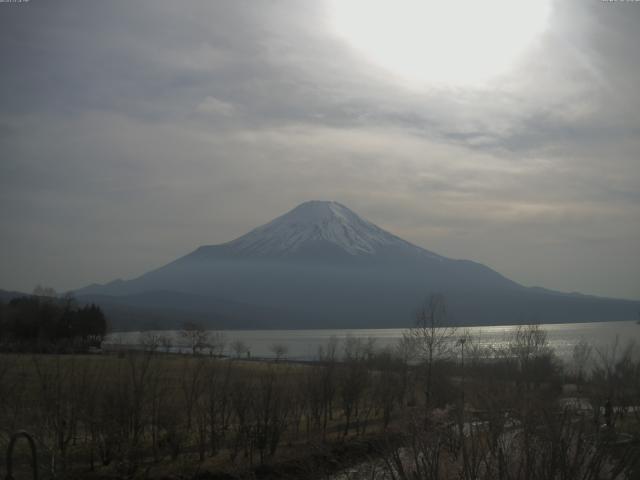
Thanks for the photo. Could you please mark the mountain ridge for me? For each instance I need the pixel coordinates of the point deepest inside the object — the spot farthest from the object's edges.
(324, 265)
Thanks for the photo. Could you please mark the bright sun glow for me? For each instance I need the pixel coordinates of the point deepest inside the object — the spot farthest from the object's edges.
(446, 42)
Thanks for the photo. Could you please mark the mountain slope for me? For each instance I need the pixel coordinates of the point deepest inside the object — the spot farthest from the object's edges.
(321, 265)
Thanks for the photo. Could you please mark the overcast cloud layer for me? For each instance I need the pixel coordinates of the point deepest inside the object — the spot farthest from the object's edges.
(133, 132)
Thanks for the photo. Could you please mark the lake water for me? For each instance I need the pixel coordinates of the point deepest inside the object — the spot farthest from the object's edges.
(304, 344)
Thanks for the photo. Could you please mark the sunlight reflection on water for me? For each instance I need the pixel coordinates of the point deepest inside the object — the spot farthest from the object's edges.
(304, 344)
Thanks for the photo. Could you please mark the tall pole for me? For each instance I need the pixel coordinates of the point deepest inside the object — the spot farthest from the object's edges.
(462, 342)
(465, 457)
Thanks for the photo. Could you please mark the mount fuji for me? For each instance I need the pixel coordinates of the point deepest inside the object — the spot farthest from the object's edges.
(322, 266)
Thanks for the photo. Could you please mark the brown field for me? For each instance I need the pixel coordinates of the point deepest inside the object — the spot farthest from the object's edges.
(152, 415)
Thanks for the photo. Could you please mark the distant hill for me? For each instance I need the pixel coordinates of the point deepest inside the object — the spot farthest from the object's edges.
(6, 295)
(322, 266)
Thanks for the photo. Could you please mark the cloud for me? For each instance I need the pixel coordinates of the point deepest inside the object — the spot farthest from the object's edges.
(187, 124)
(215, 107)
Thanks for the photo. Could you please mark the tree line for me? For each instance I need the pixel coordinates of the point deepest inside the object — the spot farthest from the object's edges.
(46, 322)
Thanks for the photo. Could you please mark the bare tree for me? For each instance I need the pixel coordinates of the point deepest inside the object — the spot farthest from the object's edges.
(166, 343)
(581, 356)
(192, 383)
(388, 384)
(271, 409)
(58, 399)
(530, 348)
(279, 350)
(195, 335)
(431, 337)
(616, 371)
(328, 358)
(149, 341)
(216, 344)
(217, 405)
(354, 379)
(239, 348)
(405, 351)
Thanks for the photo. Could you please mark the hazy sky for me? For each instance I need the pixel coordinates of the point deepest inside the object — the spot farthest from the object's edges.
(133, 132)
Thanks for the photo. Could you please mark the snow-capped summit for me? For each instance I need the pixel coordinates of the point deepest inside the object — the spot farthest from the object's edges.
(313, 223)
